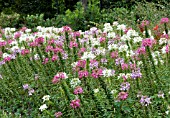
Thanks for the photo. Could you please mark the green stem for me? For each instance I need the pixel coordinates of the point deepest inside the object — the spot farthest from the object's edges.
(153, 65)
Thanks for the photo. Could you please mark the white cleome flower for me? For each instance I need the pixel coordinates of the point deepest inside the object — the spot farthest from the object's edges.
(107, 27)
(111, 35)
(137, 39)
(132, 33)
(94, 42)
(108, 73)
(162, 41)
(163, 50)
(28, 30)
(96, 90)
(100, 51)
(88, 55)
(125, 38)
(167, 112)
(74, 82)
(149, 32)
(114, 92)
(74, 64)
(6, 55)
(115, 23)
(46, 98)
(121, 27)
(123, 48)
(43, 107)
(113, 46)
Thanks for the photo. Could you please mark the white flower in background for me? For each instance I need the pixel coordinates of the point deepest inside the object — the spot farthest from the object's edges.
(13, 48)
(14, 43)
(157, 53)
(88, 55)
(94, 42)
(28, 30)
(163, 50)
(96, 90)
(149, 32)
(111, 35)
(13, 29)
(107, 27)
(125, 38)
(39, 28)
(121, 27)
(1, 76)
(132, 33)
(6, 55)
(167, 112)
(155, 61)
(120, 75)
(123, 48)
(74, 64)
(43, 107)
(128, 75)
(74, 82)
(7, 29)
(113, 46)
(161, 61)
(108, 72)
(130, 53)
(36, 57)
(162, 41)
(93, 29)
(100, 51)
(152, 37)
(22, 38)
(137, 39)
(46, 98)
(115, 23)
(139, 63)
(22, 48)
(114, 91)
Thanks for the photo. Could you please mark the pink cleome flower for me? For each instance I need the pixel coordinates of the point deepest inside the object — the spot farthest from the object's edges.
(164, 20)
(17, 35)
(83, 73)
(58, 114)
(123, 95)
(58, 77)
(7, 59)
(96, 73)
(75, 103)
(78, 90)
(73, 44)
(25, 51)
(145, 100)
(114, 54)
(124, 66)
(148, 42)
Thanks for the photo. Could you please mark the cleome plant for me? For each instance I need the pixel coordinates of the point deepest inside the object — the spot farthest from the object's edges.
(107, 72)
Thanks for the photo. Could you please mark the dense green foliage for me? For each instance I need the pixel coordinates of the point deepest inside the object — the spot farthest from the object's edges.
(34, 65)
(131, 77)
(92, 16)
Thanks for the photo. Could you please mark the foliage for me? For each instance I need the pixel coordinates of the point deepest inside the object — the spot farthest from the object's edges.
(115, 70)
(9, 20)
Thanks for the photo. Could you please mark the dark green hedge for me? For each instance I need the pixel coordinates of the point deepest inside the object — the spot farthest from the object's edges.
(53, 7)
